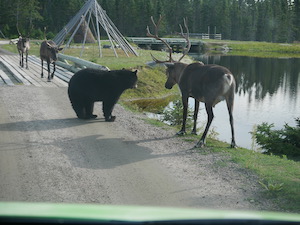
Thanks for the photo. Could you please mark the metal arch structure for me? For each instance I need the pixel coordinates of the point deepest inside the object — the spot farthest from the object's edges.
(92, 11)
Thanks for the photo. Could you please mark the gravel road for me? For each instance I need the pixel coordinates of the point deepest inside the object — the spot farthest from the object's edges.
(48, 155)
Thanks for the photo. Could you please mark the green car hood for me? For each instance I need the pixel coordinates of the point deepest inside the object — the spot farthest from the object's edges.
(62, 212)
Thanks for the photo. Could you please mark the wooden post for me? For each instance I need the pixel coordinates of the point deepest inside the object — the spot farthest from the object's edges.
(98, 31)
(84, 39)
(208, 30)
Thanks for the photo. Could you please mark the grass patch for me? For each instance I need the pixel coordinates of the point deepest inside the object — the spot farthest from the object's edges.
(280, 177)
(258, 49)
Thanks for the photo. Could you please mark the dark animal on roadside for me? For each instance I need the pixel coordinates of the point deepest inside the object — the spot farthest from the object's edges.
(48, 53)
(88, 86)
(23, 47)
(209, 84)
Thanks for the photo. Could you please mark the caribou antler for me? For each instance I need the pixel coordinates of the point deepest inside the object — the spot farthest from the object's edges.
(186, 37)
(17, 25)
(156, 26)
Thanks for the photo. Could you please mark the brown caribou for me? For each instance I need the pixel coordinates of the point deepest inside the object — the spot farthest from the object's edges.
(209, 84)
(48, 53)
(23, 47)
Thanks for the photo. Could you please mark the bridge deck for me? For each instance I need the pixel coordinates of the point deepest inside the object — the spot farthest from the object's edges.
(177, 44)
(11, 73)
(172, 41)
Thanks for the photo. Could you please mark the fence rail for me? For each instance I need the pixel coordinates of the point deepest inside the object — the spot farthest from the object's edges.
(206, 36)
(78, 63)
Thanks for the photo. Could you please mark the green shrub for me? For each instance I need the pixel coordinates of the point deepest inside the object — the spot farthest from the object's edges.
(279, 142)
(173, 115)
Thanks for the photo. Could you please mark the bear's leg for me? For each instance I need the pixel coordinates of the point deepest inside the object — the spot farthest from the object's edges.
(108, 106)
(89, 108)
(78, 106)
(80, 111)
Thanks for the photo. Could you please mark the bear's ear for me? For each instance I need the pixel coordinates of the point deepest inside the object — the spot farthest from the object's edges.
(135, 71)
(123, 68)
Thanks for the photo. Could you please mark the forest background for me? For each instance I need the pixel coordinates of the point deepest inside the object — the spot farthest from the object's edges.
(246, 20)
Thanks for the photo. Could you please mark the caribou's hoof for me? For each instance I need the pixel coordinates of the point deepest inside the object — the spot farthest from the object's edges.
(180, 133)
(200, 144)
(194, 132)
(233, 145)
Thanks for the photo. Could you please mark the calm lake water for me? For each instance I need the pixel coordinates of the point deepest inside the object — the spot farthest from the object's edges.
(268, 90)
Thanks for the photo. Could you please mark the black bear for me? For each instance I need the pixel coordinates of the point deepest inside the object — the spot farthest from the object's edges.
(88, 86)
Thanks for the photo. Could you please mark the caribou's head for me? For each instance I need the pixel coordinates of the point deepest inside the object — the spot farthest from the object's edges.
(173, 73)
(23, 42)
(53, 50)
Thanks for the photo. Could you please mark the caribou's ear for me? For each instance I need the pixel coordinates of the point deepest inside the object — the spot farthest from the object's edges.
(60, 49)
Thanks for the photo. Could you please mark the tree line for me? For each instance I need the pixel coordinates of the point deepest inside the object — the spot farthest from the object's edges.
(248, 20)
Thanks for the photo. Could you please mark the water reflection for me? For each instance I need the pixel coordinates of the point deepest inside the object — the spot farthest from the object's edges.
(268, 90)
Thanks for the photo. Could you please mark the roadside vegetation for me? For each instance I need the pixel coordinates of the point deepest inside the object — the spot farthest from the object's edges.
(283, 142)
(279, 176)
(256, 49)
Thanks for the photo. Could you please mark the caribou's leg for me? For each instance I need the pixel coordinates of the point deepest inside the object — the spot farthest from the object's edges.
(229, 102)
(185, 100)
(20, 58)
(42, 74)
(26, 59)
(52, 75)
(196, 110)
(22, 63)
(210, 116)
(48, 65)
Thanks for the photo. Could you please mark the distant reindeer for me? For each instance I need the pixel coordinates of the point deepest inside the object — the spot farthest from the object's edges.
(48, 53)
(209, 84)
(23, 46)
